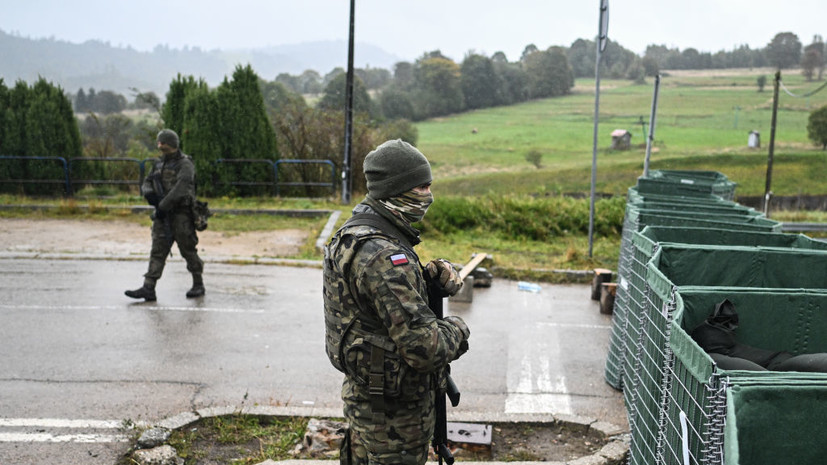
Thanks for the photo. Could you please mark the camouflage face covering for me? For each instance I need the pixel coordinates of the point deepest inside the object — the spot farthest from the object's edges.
(409, 205)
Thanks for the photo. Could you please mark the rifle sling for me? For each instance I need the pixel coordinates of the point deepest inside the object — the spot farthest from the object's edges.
(376, 221)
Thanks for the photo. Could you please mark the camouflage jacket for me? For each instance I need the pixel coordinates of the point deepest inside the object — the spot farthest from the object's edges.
(375, 296)
(176, 172)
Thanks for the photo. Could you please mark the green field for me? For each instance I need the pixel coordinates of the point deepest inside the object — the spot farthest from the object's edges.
(703, 121)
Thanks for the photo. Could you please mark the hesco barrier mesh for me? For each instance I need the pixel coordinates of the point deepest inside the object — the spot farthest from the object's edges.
(637, 217)
(683, 233)
(677, 265)
(672, 190)
(676, 182)
(733, 417)
(646, 334)
(633, 195)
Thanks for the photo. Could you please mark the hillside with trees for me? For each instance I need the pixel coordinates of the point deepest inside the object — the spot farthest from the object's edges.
(299, 116)
(102, 66)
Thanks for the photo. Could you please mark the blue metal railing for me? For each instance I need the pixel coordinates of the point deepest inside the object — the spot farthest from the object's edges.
(75, 161)
(70, 168)
(275, 183)
(67, 185)
(331, 184)
(251, 161)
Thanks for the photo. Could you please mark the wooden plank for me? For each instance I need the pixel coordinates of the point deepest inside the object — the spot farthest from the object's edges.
(467, 269)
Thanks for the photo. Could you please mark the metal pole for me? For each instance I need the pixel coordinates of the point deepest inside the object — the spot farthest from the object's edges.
(650, 139)
(767, 191)
(594, 152)
(346, 168)
(602, 37)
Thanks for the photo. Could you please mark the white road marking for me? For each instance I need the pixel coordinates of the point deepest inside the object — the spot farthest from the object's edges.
(535, 379)
(575, 325)
(59, 423)
(46, 437)
(41, 425)
(143, 307)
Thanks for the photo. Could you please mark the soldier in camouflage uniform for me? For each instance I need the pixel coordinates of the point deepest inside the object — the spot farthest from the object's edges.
(170, 188)
(380, 330)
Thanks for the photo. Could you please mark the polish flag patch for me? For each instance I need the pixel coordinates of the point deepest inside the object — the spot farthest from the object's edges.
(399, 259)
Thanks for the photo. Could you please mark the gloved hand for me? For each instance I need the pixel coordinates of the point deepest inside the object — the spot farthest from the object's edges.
(463, 328)
(442, 272)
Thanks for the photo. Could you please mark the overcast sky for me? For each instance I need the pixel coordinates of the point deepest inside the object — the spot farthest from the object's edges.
(410, 28)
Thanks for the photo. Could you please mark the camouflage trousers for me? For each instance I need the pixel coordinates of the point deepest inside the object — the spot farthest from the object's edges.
(183, 233)
(399, 436)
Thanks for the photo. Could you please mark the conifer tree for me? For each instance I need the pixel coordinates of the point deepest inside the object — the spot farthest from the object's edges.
(46, 127)
(203, 136)
(4, 111)
(246, 130)
(5, 167)
(15, 132)
(172, 112)
(225, 123)
(81, 104)
(244, 119)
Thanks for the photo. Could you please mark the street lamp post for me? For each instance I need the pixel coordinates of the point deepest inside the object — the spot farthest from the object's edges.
(602, 40)
(347, 180)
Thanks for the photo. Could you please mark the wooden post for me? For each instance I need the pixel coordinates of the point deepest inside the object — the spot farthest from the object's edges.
(601, 275)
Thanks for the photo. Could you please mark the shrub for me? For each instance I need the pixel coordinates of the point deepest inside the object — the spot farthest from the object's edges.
(535, 158)
(529, 218)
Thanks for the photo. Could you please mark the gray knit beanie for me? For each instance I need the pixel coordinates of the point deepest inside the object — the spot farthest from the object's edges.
(168, 137)
(395, 167)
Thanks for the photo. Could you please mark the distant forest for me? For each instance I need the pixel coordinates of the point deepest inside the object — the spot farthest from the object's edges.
(307, 69)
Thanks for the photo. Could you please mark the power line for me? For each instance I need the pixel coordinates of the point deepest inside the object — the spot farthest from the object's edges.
(819, 89)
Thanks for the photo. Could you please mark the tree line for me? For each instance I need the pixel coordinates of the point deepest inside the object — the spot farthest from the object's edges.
(435, 85)
(784, 51)
(36, 121)
(246, 117)
(243, 118)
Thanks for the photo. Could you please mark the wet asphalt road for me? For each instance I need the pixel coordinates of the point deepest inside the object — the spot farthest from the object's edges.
(78, 358)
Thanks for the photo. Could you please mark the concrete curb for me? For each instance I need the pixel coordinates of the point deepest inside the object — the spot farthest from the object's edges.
(614, 452)
(148, 209)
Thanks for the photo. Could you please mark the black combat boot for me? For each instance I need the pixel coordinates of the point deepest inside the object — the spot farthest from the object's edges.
(145, 292)
(197, 287)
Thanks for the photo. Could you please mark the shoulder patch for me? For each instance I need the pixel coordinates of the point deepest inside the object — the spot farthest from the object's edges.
(399, 259)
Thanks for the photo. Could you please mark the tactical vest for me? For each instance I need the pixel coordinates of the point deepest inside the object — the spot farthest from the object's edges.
(166, 174)
(356, 342)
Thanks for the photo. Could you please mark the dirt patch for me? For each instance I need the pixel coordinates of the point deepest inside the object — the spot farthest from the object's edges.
(536, 442)
(217, 441)
(129, 238)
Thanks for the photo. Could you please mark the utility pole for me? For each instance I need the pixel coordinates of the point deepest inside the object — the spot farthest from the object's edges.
(650, 139)
(602, 40)
(767, 190)
(347, 179)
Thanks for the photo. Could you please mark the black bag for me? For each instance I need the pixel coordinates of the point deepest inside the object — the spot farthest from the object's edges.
(200, 215)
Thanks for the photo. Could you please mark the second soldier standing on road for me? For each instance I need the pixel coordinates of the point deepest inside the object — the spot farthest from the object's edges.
(380, 331)
(170, 188)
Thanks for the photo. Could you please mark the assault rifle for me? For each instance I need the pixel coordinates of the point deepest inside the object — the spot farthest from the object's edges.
(154, 198)
(440, 440)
